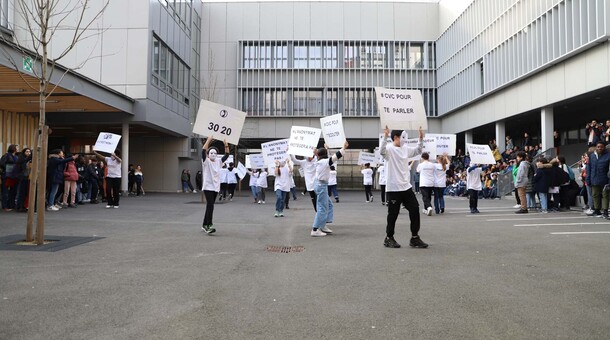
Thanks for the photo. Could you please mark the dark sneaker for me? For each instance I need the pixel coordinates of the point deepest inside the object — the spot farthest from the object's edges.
(416, 242)
(211, 229)
(594, 213)
(391, 243)
(521, 211)
(476, 211)
(205, 228)
(442, 210)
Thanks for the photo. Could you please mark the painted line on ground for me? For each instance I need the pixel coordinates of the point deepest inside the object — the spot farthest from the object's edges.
(558, 224)
(580, 232)
(542, 218)
(516, 216)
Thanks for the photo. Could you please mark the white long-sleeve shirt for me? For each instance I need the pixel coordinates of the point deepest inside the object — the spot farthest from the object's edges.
(396, 158)
(367, 176)
(440, 176)
(309, 170)
(382, 176)
(426, 173)
(211, 172)
(323, 166)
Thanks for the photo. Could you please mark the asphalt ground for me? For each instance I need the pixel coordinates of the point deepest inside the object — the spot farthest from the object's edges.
(155, 275)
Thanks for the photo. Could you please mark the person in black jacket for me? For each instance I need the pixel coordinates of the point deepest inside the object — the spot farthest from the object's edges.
(22, 170)
(542, 182)
(56, 164)
(9, 179)
(93, 178)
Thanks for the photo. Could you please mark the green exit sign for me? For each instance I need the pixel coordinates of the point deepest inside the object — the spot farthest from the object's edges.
(27, 64)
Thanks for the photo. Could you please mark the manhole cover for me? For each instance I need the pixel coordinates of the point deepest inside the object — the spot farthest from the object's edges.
(284, 249)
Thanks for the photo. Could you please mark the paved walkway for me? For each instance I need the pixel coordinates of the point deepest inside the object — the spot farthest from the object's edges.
(156, 275)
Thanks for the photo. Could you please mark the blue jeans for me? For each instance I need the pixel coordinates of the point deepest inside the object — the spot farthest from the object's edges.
(332, 191)
(279, 200)
(52, 194)
(543, 201)
(531, 200)
(439, 199)
(254, 191)
(324, 206)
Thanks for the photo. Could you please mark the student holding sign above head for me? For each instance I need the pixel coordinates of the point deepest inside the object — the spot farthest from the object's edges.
(474, 185)
(324, 209)
(398, 187)
(308, 164)
(113, 179)
(211, 180)
(367, 181)
(426, 171)
(282, 185)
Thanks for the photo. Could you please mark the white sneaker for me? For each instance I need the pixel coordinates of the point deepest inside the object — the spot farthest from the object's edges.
(429, 211)
(57, 206)
(588, 211)
(259, 202)
(194, 191)
(116, 206)
(52, 208)
(372, 198)
(425, 211)
(317, 233)
(108, 206)
(326, 230)
(517, 206)
(263, 202)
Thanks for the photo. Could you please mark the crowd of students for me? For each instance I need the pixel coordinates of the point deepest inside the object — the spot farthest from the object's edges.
(71, 179)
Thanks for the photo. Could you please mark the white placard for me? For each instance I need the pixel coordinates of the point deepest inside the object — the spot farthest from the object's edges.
(444, 143)
(367, 157)
(241, 170)
(332, 131)
(229, 159)
(275, 150)
(303, 140)
(429, 146)
(107, 142)
(255, 161)
(401, 109)
(480, 154)
(219, 121)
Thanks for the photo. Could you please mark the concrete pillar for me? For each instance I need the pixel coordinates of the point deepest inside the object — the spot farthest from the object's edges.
(468, 137)
(124, 156)
(501, 135)
(546, 123)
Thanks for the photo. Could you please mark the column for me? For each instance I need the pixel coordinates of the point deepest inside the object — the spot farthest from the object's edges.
(124, 157)
(501, 135)
(467, 138)
(546, 135)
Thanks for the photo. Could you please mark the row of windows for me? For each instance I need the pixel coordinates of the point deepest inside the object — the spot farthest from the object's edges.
(317, 102)
(5, 13)
(333, 55)
(181, 12)
(169, 73)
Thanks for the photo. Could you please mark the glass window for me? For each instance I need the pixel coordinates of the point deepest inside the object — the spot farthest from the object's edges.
(416, 56)
(280, 58)
(300, 57)
(330, 57)
(265, 57)
(349, 56)
(155, 56)
(400, 55)
(163, 63)
(315, 56)
(332, 102)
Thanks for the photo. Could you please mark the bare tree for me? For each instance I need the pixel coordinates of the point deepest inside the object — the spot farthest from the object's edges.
(42, 22)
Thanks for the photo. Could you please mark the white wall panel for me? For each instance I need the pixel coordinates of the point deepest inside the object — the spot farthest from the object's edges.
(368, 21)
(137, 66)
(597, 67)
(268, 13)
(235, 27)
(351, 21)
(114, 63)
(218, 23)
(572, 81)
(301, 19)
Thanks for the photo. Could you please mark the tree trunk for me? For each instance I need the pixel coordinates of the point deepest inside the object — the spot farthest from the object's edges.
(42, 173)
(36, 159)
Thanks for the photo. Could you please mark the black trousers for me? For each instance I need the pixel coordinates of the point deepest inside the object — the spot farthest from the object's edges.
(368, 191)
(210, 198)
(113, 189)
(426, 196)
(394, 200)
(314, 200)
(473, 196)
(231, 188)
(382, 186)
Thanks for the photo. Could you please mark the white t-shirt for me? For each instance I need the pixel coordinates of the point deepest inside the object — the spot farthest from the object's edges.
(332, 179)
(309, 170)
(231, 179)
(282, 182)
(114, 167)
(473, 179)
(223, 175)
(323, 167)
(426, 173)
(440, 176)
(253, 178)
(398, 174)
(211, 173)
(382, 177)
(262, 179)
(367, 176)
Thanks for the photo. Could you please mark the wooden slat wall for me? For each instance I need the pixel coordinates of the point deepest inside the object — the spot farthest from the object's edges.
(17, 129)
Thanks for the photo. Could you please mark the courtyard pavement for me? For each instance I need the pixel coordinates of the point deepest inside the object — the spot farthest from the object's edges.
(153, 274)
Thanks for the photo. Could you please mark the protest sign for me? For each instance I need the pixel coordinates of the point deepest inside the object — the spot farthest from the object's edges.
(367, 157)
(303, 140)
(255, 161)
(332, 131)
(480, 154)
(241, 170)
(444, 143)
(275, 150)
(229, 159)
(220, 122)
(107, 142)
(429, 146)
(401, 109)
